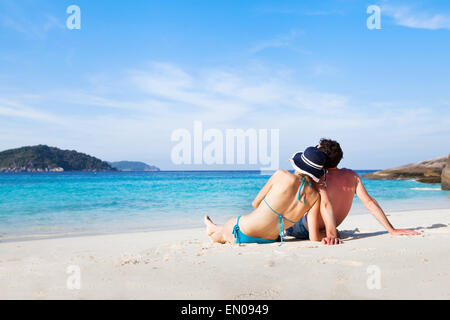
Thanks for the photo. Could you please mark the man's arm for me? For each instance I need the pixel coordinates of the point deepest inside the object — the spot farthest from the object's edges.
(326, 209)
(374, 208)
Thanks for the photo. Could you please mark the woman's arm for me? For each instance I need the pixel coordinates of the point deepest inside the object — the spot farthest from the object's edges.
(326, 210)
(313, 219)
(265, 190)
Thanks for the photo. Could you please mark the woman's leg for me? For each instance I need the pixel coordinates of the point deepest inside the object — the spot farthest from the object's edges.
(220, 234)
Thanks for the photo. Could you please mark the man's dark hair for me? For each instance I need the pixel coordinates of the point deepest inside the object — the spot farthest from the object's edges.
(333, 151)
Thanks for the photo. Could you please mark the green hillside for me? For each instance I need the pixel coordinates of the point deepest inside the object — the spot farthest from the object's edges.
(42, 158)
(133, 166)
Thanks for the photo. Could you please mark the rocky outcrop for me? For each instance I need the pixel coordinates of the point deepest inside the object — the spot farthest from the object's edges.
(31, 169)
(445, 177)
(425, 171)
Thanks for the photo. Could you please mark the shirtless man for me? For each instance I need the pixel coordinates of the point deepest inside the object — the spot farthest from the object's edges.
(341, 185)
(281, 203)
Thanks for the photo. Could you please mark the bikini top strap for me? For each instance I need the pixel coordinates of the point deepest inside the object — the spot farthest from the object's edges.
(302, 187)
(281, 228)
(278, 214)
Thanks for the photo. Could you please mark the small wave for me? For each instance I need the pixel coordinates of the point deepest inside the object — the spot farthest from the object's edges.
(427, 189)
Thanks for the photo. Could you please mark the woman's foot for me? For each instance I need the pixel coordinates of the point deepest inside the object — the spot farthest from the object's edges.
(211, 228)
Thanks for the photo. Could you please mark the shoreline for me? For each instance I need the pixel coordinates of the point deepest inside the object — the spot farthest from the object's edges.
(33, 237)
(184, 264)
(42, 206)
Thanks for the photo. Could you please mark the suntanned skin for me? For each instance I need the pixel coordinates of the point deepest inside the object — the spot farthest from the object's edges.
(281, 193)
(341, 186)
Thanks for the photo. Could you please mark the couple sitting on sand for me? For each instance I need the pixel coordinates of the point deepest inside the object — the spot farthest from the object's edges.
(308, 204)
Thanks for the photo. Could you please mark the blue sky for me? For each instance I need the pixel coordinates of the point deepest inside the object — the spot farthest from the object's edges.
(138, 70)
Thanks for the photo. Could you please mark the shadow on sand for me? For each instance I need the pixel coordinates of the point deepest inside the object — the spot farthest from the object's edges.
(355, 234)
(348, 235)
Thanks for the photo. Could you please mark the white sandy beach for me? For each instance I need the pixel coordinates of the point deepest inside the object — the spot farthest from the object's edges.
(183, 264)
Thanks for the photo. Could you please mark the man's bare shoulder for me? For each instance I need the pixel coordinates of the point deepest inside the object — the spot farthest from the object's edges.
(349, 172)
(351, 175)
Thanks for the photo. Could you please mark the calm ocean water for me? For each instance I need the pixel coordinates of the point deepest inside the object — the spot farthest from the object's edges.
(85, 203)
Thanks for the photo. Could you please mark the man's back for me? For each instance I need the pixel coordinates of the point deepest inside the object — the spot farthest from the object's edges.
(341, 189)
(337, 198)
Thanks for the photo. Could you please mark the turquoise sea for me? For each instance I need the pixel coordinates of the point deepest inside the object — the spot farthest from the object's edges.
(58, 204)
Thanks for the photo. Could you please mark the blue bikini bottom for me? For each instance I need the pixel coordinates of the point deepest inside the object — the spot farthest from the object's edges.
(243, 238)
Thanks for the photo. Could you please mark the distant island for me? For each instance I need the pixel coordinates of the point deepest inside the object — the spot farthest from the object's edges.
(429, 171)
(43, 158)
(132, 166)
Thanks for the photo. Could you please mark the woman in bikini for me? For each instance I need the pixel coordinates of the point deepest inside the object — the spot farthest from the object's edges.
(282, 202)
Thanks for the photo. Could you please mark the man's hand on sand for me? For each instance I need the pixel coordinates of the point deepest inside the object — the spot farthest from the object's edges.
(331, 241)
(404, 232)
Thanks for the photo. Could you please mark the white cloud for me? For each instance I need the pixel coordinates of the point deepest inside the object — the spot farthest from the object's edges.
(232, 94)
(33, 22)
(12, 109)
(132, 114)
(281, 41)
(408, 17)
(34, 30)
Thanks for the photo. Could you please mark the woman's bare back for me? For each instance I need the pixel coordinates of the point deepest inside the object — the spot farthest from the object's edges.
(281, 194)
